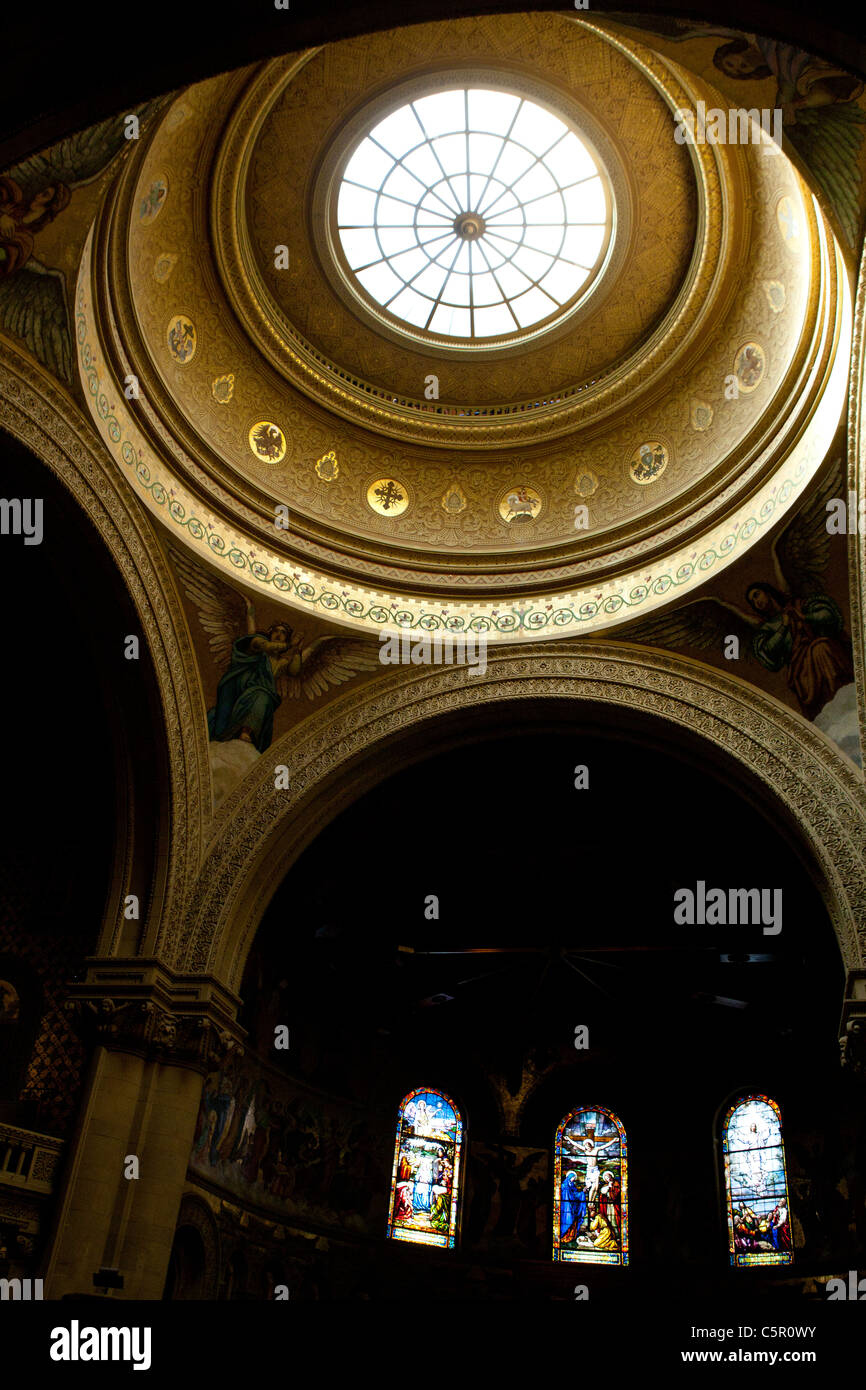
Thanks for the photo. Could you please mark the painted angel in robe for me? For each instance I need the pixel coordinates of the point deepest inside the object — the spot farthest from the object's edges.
(794, 626)
(33, 296)
(820, 114)
(262, 667)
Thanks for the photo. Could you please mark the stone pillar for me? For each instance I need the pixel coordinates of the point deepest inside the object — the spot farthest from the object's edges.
(154, 1037)
(852, 1039)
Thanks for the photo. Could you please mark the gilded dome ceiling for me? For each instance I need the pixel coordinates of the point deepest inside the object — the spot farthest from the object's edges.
(597, 457)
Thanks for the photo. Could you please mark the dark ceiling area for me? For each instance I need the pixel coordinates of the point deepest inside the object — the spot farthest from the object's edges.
(67, 73)
(555, 910)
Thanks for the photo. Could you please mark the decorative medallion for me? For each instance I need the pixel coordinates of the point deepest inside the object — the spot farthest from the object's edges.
(789, 222)
(181, 338)
(223, 388)
(454, 500)
(648, 462)
(701, 415)
(163, 266)
(585, 482)
(776, 295)
(520, 504)
(267, 441)
(387, 497)
(327, 467)
(749, 366)
(153, 200)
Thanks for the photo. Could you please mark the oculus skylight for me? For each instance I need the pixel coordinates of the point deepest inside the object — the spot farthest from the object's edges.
(472, 214)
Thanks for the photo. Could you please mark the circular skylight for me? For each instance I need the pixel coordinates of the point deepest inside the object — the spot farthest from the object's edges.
(472, 214)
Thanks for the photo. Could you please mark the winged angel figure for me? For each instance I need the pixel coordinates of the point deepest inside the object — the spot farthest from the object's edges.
(262, 666)
(33, 303)
(793, 626)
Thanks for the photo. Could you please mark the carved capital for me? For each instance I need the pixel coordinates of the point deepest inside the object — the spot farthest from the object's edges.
(852, 1039)
(143, 1008)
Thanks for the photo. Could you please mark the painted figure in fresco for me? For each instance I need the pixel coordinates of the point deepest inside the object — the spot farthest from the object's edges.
(33, 295)
(22, 216)
(262, 667)
(805, 636)
(794, 626)
(819, 114)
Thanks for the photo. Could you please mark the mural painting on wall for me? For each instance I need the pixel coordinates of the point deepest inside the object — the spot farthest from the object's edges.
(33, 295)
(822, 115)
(791, 626)
(289, 1148)
(260, 667)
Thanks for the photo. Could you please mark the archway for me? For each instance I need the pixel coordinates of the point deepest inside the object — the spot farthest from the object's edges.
(335, 755)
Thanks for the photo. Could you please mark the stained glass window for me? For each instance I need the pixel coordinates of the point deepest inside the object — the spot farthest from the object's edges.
(756, 1184)
(590, 1196)
(472, 214)
(425, 1181)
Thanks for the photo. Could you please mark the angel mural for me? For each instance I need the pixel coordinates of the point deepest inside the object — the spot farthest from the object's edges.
(794, 626)
(817, 99)
(819, 114)
(262, 666)
(33, 301)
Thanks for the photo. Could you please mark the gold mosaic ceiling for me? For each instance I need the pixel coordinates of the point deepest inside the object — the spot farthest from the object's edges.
(261, 388)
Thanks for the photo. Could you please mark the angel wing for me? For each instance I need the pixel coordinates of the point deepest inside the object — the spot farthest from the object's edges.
(703, 624)
(33, 307)
(801, 553)
(221, 610)
(828, 139)
(78, 158)
(329, 661)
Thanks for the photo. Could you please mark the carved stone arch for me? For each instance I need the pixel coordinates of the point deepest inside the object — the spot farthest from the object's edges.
(195, 1215)
(338, 753)
(35, 410)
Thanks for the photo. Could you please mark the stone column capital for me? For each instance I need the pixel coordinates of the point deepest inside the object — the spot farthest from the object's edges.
(852, 1036)
(142, 1007)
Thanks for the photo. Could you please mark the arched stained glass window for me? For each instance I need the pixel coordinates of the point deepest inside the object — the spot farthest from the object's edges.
(756, 1184)
(590, 1198)
(425, 1181)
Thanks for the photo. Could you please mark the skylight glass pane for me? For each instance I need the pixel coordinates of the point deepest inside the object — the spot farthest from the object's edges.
(442, 113)
(532, 306)
(489, 323)
(451, 152)
(532, 263)
(582, 244)
(485, 289)
(356, 206)
(585, 202)
(537, 128)
(360, 248)
(569, 160)
(380, 282)
(398, 132)
(451, 323)
(469, 183)
(456, 290)
(411, 307)
(369, 165)
(401, 184)
(562, 282)
(491, 111)
(536, 183)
